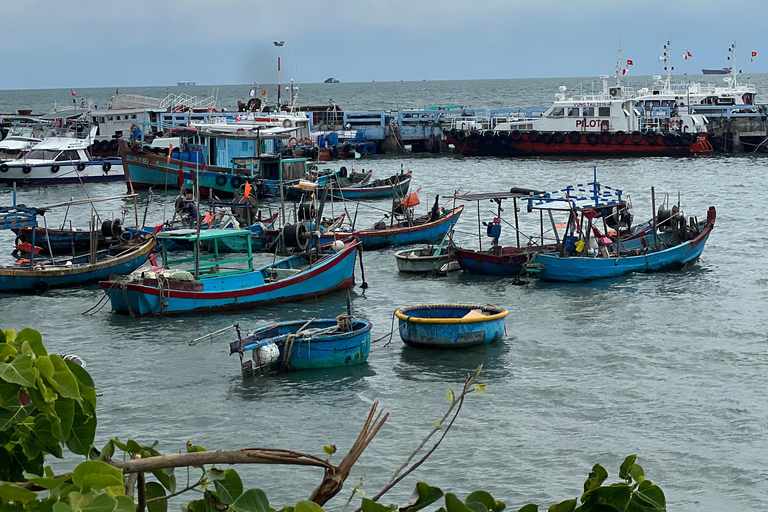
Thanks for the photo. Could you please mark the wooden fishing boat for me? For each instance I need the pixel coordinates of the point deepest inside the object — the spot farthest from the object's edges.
(39, 275)
(451, 325)
(304, 345)
(587, 253)
(76, 271)
(427, 259)
(427, 228)
(217, 282)
(513, 260)
(554, 267)
(395, 186)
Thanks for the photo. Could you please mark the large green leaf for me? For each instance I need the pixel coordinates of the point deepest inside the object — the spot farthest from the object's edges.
(615, 496)
(11, 493)
(650, 496)
(8, 392)
(485, 498)
(96, 475)
(39, 402)
(155, 490)
(167, 478)
(596, 478)
(307, 506)
(423, 496)
(529, 508)
(13, 414)
(125, 504)
(42, 430)
(67, 383)
(196, 506)
(35, 340)
(46, 390)
(252, 500)
(454, 504)
(61, 506)
(19, 371)
(48, 482)
(230, 487)
(45, 367)
(84, 382)
(563, 506)
(372, 506)
(625, 467)
(85, 502)
(6, 350)
(65, 412)
(83, 432)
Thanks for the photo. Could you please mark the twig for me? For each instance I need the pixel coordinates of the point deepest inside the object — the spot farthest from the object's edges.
(354, 490)
(187, 488)
(455, 403)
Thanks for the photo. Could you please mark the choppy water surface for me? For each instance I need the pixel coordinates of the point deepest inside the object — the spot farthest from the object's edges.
(670, 366)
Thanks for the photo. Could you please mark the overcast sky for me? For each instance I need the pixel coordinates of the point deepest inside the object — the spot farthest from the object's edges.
(105, 43)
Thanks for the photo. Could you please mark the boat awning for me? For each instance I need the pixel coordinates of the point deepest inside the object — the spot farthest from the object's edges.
(205, 234)
(514, 193)
(577, 197)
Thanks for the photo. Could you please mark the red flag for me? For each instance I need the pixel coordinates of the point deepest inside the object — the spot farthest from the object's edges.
(117, 91)
(624, 71)
(754, 54)
(73, 92)
(689, 54)
(630, 63)
(685, 56)
(247, 191)
(412, 199)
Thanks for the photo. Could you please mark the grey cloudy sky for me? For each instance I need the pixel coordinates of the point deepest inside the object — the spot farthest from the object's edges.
(106, 43)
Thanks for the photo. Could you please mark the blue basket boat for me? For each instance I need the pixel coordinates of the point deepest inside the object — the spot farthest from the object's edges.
(451, 325)
(304, 345)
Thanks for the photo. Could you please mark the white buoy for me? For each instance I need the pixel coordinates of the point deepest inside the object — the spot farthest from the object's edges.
(337, 245)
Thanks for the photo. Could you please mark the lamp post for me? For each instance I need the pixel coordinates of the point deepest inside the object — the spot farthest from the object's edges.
(278, 44)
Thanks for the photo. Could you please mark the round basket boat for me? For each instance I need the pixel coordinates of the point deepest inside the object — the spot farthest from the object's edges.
(451, 325)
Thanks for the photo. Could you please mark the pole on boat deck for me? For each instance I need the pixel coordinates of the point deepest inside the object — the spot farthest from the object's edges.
(279, 44)
(479, 231)
(653, 206)
(517, 225)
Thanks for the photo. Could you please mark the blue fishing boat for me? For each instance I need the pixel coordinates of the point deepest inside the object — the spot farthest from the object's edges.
(213, 281)
(38, 274)
(451, 325)
(425, 229)
(222, 163)
(394, 186)
(304, 345)
(76, 271)
(668, 241)
(553, 267)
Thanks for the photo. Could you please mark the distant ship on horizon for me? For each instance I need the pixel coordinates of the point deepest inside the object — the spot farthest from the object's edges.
(331, 81)
(722, 71)
(185, 83)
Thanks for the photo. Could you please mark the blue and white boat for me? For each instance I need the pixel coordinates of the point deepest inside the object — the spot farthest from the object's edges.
(213, 281)
(451, 325)
(668, 241)
(60, 160)
(304, 345)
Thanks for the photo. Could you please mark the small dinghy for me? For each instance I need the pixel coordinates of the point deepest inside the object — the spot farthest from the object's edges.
(428, 259)
(451, 325)
(304, 345)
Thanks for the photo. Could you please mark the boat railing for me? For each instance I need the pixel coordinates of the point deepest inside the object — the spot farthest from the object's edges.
(730, 111)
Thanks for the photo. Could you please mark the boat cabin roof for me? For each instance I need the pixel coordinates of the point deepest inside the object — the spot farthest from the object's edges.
(514, 193)
(205, 234)
(577, 197)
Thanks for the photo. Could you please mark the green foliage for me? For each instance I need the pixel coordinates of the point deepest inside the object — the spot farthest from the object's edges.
(47, 402)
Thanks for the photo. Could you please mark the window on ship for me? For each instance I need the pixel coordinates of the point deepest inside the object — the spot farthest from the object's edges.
(604, 111)
(588, 111)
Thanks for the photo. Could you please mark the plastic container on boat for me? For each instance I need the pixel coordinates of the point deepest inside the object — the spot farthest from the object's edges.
(451, 325)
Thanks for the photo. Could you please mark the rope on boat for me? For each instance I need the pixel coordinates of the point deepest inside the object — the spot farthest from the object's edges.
(390, 333)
